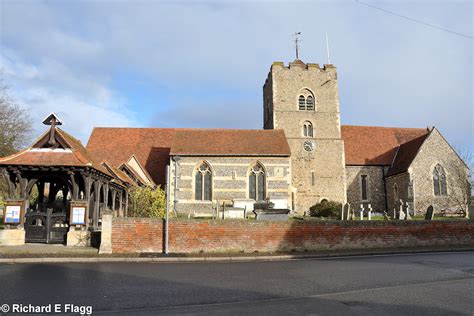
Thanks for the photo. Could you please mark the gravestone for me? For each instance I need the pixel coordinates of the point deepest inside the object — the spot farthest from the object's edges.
(369, 212)
(361, 212)
(407, 211)
(345, 211)
(429, 213)
(401, 211)
(385, 216)
(401, 215)
(265, 211)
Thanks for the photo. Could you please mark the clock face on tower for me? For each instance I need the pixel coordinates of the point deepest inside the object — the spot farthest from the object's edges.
(309, 145)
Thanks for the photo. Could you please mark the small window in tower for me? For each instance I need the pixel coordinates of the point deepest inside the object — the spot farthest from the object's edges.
(307, 129)
(309, 103)
(302, 103)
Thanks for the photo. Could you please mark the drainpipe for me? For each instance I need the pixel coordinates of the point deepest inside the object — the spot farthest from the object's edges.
(167, 207)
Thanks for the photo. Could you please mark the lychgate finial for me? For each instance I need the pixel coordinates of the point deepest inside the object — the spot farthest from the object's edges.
(53, 120)
(296, 43)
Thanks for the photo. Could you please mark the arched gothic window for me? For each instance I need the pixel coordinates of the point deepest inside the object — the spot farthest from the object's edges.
(309, 103)
(203, 183)
(439, 181)
(306, 100)
(307, 129)
(257, 183)
(302, 103)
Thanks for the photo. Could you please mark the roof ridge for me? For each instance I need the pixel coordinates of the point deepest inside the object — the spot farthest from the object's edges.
(186, 128)
(385, 127)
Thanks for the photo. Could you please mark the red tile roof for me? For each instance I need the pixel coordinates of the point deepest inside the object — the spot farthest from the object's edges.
(227, 142)
(405, 155)
(75, 155)
(152, 146)
(373, 145)
(364, 145)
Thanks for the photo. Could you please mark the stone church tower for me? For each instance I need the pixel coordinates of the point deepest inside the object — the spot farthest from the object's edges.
(303, 100)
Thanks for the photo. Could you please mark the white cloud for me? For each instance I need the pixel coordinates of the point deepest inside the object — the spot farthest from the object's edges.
(391, 71)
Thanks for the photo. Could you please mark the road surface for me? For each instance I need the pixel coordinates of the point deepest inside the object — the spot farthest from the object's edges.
(412, 284)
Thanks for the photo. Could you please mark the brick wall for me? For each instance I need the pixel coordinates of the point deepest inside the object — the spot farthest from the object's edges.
(187, 236)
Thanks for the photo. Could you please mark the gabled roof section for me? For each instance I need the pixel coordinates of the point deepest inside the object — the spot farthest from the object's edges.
(134, 164)
(151, 147)
(374, 145)
(118, 174)
(227, 142)
(405, 155)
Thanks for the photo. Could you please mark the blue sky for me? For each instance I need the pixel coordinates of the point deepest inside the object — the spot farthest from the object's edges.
(203, 64)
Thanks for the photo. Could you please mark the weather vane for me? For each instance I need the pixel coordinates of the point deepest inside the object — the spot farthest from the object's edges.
(296, 42)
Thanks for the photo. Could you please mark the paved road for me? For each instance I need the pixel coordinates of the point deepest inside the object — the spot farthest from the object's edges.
(415, 284)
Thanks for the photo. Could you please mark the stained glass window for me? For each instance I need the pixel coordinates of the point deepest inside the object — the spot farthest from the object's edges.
(203, 183)
(439, 181)
(257, 183)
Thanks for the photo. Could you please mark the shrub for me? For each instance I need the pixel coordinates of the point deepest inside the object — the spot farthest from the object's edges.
(329, 209)
(147, 202)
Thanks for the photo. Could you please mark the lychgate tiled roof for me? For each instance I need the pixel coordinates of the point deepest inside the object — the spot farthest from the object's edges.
(376, 146)
(73, 155)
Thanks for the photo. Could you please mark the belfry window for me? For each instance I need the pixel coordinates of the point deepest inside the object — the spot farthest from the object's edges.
(439, 181)
(302, 103)
(306, 100)
(307, 129)
(257, 186)
(309, 103)
(203, 183)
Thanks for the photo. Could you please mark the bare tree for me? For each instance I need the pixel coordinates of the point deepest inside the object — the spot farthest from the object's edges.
(15, 130)
(463, 177)
(15, 124)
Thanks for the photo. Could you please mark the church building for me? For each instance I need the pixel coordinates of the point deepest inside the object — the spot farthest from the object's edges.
(59, 190)
(302, 156)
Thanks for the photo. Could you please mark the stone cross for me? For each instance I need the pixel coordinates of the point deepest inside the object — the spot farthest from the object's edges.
(369, 212)
(361, 212)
